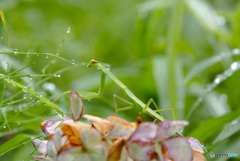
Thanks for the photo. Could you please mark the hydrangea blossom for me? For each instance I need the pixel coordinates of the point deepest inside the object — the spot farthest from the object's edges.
(114, 139)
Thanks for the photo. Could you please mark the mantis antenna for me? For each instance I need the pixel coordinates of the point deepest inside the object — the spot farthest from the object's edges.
(89, 42)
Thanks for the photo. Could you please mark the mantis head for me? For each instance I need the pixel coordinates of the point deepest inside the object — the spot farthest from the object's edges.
(92, 63)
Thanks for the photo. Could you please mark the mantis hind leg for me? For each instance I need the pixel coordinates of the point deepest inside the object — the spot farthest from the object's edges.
(115, 97)
(157, 108)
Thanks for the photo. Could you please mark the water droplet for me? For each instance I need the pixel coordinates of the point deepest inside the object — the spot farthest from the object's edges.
(57, 75)
(27, 55)
(24, 97)
(88, 99)
(30, 98)
(15, 110)
(108, 69)
(28, 51)
(49, 86)
(68, 30)
(72, 61)
(45, 104)
(37, 55)
(57, 54)
(236, 51)
(46, 56)
(38, 101)
(98, 68)
(217, 80)
(15, 50)
(30, 77)
(1, 37)
(234, 65)
(40, 95)
(4, 126)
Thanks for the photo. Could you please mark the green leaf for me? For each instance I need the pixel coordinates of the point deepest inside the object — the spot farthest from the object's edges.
(212, 126)
(13, 143)
(207, 16)
(227, 131)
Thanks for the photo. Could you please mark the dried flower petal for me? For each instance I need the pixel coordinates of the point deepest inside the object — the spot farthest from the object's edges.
(195, 144)
(93, 148)
(168, 128)
(140, 153)
(177, 148)
(146, 132)
(72, 131)
(76, 105)
(42, 158)
(197, 156)
(102, 125)
(121, 128)
(42, 148)
(115, 150)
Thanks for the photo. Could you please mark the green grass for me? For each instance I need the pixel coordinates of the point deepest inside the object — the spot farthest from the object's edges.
(182, 53)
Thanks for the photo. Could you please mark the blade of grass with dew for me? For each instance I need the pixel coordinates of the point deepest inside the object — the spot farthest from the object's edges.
(29, 53)
(235, 66)
(5, 26)
(14, 116)
(14, 131)
(14, 143)
(1, 102)
(14, 102)
(204, 64)
(58, 50)
(212, 126)
(208, 17)
(40, 97)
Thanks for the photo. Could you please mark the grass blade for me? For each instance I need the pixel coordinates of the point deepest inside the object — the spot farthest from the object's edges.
(43, 99)
(5, 26)
(212, 126)
(13, 143)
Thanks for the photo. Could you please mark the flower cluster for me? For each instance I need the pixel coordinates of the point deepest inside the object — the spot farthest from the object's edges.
(114, 139)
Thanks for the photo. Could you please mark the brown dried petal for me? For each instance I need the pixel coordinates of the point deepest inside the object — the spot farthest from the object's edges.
(73, 130)
(102, 125)
(121, 128)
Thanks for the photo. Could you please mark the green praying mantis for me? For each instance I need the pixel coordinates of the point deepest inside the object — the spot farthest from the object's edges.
(106, 72)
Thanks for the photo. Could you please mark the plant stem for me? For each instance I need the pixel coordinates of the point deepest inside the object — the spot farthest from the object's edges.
(171, 51)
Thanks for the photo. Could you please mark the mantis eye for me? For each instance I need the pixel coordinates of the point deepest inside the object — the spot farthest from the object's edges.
(76, 105)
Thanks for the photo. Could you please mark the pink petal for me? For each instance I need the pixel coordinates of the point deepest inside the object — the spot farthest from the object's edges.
(42, 148)
(41, 158)
(168, 128)
(48, 126)
(178, 149)
(195, 144)
(76, 105)
(146, 132)
(140, 153)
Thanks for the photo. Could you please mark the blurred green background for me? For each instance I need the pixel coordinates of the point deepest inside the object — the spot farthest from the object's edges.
(182, 53)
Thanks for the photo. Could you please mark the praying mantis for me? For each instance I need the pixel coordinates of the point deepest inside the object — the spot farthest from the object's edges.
(106, 71)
